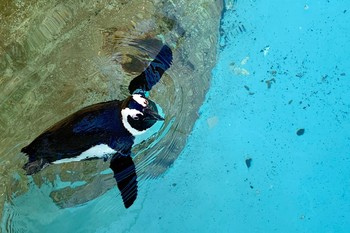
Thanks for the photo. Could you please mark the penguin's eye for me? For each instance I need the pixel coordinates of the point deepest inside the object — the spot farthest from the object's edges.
(136, 118)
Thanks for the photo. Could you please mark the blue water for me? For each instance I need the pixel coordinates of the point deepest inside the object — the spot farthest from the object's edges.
(295, 183)
(282, 66)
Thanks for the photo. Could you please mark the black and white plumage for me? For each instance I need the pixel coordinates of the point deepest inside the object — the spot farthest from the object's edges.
(104, 129)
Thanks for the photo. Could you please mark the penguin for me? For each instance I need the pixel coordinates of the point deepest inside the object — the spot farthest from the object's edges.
(104, 130)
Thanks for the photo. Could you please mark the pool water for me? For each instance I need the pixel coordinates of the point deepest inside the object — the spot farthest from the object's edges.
(271, 149)
(282, 67)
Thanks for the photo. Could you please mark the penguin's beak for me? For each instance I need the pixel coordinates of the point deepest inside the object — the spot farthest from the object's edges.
(152, 115)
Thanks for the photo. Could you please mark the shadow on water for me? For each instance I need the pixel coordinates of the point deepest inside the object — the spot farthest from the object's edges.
(57, 57)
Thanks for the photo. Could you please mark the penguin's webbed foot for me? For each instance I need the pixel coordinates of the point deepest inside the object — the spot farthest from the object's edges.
(35, 166)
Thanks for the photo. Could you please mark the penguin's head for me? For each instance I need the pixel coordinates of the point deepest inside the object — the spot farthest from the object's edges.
(139, 114)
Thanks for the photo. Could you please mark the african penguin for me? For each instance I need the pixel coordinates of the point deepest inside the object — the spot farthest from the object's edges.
(104, 130)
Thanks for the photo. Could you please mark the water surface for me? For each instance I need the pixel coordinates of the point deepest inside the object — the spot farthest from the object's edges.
(278, 98)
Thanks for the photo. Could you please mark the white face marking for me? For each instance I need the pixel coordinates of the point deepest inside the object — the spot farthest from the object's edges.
(139, 99)
(98, 151)
(133, 113)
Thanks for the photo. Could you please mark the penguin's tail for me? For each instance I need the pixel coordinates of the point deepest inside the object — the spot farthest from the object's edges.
(30, 152)
(26, 150)
(35, 166)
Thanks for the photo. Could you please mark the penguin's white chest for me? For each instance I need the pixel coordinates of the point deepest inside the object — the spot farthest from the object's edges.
(98, 151)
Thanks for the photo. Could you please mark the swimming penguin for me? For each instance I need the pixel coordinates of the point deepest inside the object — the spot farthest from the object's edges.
(109, 126)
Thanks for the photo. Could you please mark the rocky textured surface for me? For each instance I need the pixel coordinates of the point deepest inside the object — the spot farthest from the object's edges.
(59, 56)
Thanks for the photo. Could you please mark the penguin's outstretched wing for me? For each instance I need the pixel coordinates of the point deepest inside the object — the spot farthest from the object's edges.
(125, 175)
(152, 74)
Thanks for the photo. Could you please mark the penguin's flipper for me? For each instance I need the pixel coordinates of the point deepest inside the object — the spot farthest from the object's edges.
(152, 74)
(125, 175)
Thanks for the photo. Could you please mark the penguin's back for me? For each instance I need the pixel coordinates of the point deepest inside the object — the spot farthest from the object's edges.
(93, 125)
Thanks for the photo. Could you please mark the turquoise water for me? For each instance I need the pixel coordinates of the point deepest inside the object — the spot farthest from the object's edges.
(282, 66)
(295, 183)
